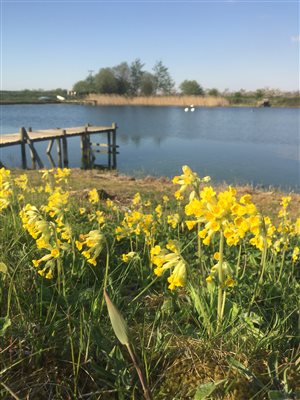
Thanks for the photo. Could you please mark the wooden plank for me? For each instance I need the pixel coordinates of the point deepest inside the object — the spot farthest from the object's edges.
(39, 135)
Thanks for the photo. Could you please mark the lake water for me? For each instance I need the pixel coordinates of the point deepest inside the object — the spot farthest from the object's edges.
(259, 146)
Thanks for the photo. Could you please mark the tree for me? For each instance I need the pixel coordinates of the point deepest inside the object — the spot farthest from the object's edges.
(147, 86)
(83, 87)
(162, 78)
(259, 94)
(122, 74)
(136, 74)
(213, 92)
(106, 82)
(191, 88)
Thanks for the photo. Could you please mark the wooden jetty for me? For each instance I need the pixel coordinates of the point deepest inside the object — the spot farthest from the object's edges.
(60, 135)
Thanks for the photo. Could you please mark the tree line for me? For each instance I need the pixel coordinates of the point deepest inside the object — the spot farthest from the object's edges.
(133, 80)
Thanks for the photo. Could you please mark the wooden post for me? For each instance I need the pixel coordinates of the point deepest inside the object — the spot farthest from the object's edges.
(114, 146)
(58, 145)
(49, 147)
(83, 146)
(23, 149)
(65, 149)
(109, 149)
(32, 153)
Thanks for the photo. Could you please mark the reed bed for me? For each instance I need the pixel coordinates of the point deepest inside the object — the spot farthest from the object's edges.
(180, 101)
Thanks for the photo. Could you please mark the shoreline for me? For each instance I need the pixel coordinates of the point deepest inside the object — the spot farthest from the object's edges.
(162, 101)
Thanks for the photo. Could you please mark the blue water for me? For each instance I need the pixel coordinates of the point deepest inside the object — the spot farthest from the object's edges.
(259, 146)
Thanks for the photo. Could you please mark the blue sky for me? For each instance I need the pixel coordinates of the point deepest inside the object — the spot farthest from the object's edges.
(223, 44)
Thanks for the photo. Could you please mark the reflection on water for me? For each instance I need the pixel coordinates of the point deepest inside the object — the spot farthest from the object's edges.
(238, 145)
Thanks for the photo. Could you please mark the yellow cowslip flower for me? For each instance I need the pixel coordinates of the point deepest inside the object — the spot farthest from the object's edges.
(62, 174)
(178, 195)
(155, 250)
(187, 178)
(57, 202)
(128, 256)
(296, 229)
(229, 281)
(173, 220)
(92, 261)
(207, 194)
(78, 245)
(5, 188)
(178, 276)
(92, 243)
(209, 279)
(217, 256)
(164, 260)
(166, 199)
(93, 196)
(295, 255)
(136, 199)
(82, 210)
(100, 217)
(191, 224)
(42, 242)
(158, 211)
(55, 253)
(49, 274)
(21, 181)
(36, 263)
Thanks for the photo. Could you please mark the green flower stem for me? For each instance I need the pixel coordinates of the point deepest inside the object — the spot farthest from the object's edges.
(263, 261)
(281, 265)
(238, 262)
(199, 250)
(221, 298)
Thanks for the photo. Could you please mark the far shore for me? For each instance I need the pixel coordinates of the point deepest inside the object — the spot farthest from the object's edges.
(160, 101)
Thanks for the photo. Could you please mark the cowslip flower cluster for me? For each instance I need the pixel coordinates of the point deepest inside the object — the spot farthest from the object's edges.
(5, 188)
(169, 260)
(188, 178)
(62, 175)
(90, 245)
(57, 203)
(136, 222)
(45, 235)
(221, 212)
(93, 196)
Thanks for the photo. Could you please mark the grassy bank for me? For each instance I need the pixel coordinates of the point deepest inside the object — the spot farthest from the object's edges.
(206, 277)
(31, 96)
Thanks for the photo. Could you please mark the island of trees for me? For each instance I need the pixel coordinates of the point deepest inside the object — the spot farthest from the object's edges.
(132, 81)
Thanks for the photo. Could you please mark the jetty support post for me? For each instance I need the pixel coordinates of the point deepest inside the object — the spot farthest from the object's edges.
(109, 149)
(85, 149)
(58, 146)
(23, 149)
(35, 158)
(65, 149)
(114, 145)
(32, 154)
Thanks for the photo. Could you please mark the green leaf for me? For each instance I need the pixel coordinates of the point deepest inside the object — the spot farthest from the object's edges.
(276, 395)
(4, 324)
(3, 268)
(206, 389)
(117, 321)
(245, 371)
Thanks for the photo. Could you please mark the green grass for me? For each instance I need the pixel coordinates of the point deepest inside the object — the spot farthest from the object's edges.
(56, 339)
